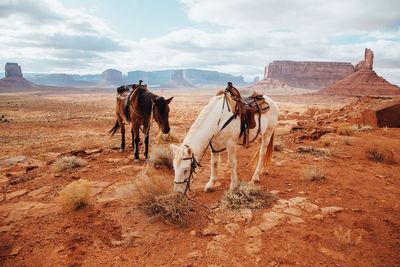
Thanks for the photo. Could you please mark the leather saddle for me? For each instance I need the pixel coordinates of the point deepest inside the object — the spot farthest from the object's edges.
(247, 108)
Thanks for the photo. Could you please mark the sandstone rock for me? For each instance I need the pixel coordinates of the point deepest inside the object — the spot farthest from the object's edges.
(30, 168)
(232, 228)
(93, 151)
(253, 231)
(368, 62)
(15, 194)
(40, 192)
(265, 226)
(297, 200)
(195, 255)
(331, 209)
(292, 211)
(177, 81)
(210, 231)
(382, 115)
(318, 217)
(15, 251)
(5, 228)
(310, 207)
(13, 160)
(111, 77)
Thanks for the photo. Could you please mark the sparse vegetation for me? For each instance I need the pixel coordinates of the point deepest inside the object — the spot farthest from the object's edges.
(345, 237)
(247, 195)
(316, 151)
(347, 140)
(380, 154)
(363, 128)
(75, 195)
(171, 137)
(345, 129)
(68, 163)
(161, 156)
(153, 195)
(313, 173)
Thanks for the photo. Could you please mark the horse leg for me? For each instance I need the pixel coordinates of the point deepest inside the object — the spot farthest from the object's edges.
(214, 171)
(122, 126)
(137, 140)
(133, 138)
(146, 146)
(231, 148)
(264, 147)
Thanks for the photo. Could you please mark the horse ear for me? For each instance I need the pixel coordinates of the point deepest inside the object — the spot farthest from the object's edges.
(169, 100)
(174, 148)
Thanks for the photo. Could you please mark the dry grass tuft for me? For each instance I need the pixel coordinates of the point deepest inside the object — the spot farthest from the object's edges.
(380, 154)
(313, 173)
(345, 237)
(364, 128)
(161, 156)
(347, 140)
(75, 195)
(153, 195)
(247, 195)
(68, 163)
(345, 129)
(170, 137)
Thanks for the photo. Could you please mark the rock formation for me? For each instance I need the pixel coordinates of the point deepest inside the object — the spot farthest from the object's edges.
(364, 81)
(383, 115)
(177, 81)
(111, 77)
(303, 74)
(14, 78)
(13, 70)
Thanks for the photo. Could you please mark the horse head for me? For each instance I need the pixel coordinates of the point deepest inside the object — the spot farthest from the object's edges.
(184, 165)
(161, 112)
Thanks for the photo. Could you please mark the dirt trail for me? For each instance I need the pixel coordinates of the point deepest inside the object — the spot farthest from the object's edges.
(361, 230)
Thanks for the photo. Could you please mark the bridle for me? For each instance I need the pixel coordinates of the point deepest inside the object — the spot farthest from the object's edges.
(193, 165)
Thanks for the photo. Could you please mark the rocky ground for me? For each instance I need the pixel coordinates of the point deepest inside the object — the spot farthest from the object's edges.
(349, 218)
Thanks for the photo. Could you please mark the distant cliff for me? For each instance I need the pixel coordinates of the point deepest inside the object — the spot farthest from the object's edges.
(14, 77)
(305, 74)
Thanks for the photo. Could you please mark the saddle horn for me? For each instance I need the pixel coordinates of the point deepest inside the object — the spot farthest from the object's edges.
(140, 82)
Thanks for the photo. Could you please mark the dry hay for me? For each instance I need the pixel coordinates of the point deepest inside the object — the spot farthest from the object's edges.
(346, 129)
(247, 195)
(161, 156)
(313, 173)
(68, 163)
(380, 154)
(170, 137)
(153, 195)
(75, 195)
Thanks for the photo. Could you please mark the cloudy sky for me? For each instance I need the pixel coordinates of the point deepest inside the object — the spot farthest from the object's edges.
(234, 36)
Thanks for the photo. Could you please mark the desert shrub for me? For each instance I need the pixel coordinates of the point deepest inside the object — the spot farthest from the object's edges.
(380, 154)
(170, 137)
(75, 195)
(313, 173)
(347, 140)
(345, 237)
(345, 129)
(363, 128)
(68, 163)
(161, 156)
(153, 195)
(247, 195)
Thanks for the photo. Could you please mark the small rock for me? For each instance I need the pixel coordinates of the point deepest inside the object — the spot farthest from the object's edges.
(232, 228)
(217, 221)
(195, 254)
(292, 211)
(93, 151)
(331, 209)
(57, 175)
(15, 251)
(13, 160)
(135, 234)
(302, 192)
(193, 233)
(5, 228)
(289, 190)
(318, 217)
(310, 207)
(253, 231)
(16, 194)
(265, 226)
(210, 231)
(295, 220)
(297, 200)
(31, 168)
(274, 192)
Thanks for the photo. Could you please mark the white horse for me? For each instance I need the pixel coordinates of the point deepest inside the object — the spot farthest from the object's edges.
(207, 127)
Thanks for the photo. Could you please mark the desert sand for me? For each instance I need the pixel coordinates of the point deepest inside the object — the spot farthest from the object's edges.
(361, 227)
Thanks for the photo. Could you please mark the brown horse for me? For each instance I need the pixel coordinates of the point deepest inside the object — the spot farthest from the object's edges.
(136, 105)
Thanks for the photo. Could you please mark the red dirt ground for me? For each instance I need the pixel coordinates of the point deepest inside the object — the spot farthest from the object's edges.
(36, 232)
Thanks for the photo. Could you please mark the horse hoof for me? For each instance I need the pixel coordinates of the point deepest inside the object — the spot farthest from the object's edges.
(121, 150)
(136, 160)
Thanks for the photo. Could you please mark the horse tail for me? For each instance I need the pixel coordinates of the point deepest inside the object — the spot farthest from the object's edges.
(114, 129)
(268, 156)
